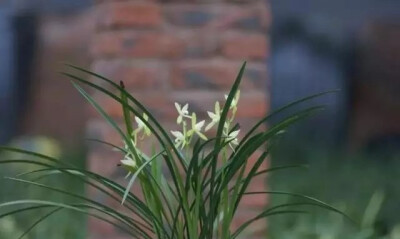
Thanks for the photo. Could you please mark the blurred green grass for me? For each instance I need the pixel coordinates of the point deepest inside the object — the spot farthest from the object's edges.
(63, 224)
(341, 179)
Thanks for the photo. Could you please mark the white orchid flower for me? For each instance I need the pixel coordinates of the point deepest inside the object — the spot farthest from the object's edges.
(215, 116)
(129, 164)
(232, 138)
(128, 153)
(142, 125)
(182, 111)
(180, 138)
(196, 127)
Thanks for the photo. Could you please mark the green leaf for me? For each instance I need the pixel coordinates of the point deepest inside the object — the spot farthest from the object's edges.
(321, 203)
(163, 135)
(214, 203)
(101, 111)
(42, 218)
(264, 215)
(110, 211)
(64, 206)
(140, 169)
(276, 112)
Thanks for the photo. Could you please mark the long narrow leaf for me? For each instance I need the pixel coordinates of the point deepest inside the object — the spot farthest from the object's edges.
(139, 170)
(323, 204)
(100, 110)
(42, 218)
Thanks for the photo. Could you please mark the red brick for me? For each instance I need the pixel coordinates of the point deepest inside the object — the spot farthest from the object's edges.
(253, 105)
(189, 15)
(136, 75)
(106, 44)
(184, 43)
(244, 46)
(130, 14)
(221, 16)
(199, 43)
(253, 16)
(137, 45)
(216, 75)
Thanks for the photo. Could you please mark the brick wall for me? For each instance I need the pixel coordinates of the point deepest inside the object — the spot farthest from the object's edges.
(179, 51)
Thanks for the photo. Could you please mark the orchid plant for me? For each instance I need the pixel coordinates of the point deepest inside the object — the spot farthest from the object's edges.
(190, 185)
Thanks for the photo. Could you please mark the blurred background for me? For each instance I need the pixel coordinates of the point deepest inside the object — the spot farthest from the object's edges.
(169, 51)
(38, 111)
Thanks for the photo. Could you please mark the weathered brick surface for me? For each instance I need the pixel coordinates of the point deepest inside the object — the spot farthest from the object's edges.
(219, 16)
(130, 14)
(216, 75)
(164, 45)
(135, 74)
(137, 45)
(245, 46)
(186, 51)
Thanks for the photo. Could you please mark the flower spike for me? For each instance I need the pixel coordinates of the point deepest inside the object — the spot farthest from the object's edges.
(196, 127)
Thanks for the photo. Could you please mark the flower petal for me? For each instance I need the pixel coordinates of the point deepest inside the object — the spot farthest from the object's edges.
(177, 134)
(217, 108)
(211, 115)
(185, 108)
(139, 122)
(178, 107)
(202, 136)
(199, 125)
(128, 163)
(234, 134)
(194, 119)
(209, 126)
(179, 119)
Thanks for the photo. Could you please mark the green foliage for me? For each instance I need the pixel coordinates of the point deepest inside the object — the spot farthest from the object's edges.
(9, 228)
(317, 226)
(190, 187)
(63, 224)
(347, 181)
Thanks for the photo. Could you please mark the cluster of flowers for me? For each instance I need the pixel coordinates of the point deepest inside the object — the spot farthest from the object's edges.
(183, 138)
